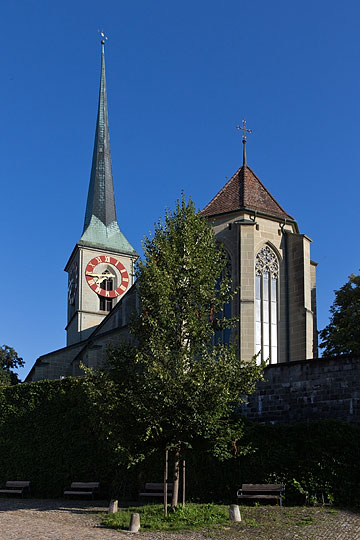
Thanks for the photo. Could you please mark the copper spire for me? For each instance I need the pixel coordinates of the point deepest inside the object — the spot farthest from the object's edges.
(101, 228)
(101, 199)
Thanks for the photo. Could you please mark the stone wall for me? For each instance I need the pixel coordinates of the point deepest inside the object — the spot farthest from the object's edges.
(308, 390)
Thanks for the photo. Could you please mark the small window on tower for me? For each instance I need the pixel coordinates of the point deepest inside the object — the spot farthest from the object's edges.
(108, 285)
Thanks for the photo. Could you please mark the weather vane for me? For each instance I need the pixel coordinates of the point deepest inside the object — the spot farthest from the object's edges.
(244, 130)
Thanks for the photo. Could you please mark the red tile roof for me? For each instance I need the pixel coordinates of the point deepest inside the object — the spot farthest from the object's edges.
(244, 190)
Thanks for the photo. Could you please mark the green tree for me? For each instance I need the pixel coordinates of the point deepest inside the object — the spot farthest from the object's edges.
(175, 385)
(342, 334)
(9, 360)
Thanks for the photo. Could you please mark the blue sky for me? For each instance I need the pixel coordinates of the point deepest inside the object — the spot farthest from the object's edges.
(180, 76)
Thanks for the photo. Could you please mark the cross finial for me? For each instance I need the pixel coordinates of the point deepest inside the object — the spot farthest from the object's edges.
(244, 129)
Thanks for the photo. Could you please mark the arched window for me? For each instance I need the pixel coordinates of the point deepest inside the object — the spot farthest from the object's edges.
(223, 336)
(107, 285)
(266, 304)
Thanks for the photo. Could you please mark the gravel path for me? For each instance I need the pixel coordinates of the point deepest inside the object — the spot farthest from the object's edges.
(34, 519)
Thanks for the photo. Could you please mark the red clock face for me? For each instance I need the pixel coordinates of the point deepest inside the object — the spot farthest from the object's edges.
(110, 268)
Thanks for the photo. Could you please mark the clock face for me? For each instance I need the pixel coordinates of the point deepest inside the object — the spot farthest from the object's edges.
(73, 283)
(105, 267)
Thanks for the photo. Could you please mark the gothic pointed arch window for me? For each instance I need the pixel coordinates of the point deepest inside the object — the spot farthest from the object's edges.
(223, 336)
(266, 304)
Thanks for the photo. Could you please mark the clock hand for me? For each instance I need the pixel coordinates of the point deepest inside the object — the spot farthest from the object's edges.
(105, 276)
(99, 278)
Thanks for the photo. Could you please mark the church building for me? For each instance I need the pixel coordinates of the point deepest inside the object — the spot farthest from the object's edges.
(271, 265)
(269, 261)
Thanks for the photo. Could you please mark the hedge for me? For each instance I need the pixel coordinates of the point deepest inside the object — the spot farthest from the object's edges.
(53, 433)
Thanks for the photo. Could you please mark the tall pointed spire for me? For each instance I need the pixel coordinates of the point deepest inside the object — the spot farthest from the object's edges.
(101, 201)
(100, 225)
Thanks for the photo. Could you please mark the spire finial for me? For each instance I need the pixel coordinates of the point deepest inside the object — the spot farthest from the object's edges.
(245, 131)
(103, 37)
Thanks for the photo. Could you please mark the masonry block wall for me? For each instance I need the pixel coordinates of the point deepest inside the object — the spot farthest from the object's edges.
(308, 390)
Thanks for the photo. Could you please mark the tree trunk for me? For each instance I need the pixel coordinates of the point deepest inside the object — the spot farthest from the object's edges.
(175, 495)
(166, 466)
(183, 483)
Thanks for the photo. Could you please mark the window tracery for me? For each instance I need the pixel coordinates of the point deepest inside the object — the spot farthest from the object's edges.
(266, 304)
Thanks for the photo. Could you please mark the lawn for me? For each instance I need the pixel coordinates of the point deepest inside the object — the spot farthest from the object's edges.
(258, 522)
(191, 517)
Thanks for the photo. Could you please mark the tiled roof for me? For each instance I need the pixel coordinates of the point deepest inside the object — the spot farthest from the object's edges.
(244, 190)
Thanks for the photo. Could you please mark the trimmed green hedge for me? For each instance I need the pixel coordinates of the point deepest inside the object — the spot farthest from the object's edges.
(56, 432)
(48, 434)
(317, 461)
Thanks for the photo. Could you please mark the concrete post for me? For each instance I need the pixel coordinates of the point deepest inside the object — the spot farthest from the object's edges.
(134, 523)
(113, 507)
(234, 513)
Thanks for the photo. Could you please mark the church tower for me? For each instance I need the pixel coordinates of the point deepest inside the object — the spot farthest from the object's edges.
(101, 266)
(270, 263)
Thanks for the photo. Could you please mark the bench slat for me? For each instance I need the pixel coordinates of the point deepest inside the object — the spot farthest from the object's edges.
(78, 492)
(259, 496)
(262, 492)
(157, 485)
(262, 487)
(11, 491)
(83, 485)
(156, 489)
(149, 494)
(17, 484)
(82, 488)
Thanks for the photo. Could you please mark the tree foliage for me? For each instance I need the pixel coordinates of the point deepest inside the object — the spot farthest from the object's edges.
(176, 384)
(342, 334)
(9, 360)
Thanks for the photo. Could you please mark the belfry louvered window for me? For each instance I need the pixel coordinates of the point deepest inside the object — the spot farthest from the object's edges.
(266, 305)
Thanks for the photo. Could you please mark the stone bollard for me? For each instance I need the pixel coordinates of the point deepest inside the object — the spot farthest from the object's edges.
(113, 507)
(134, 523)
(234, 513)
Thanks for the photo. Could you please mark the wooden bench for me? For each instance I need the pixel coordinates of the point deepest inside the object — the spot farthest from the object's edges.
(82, 488)
(266, 492)
(154, 489)
(15, 487)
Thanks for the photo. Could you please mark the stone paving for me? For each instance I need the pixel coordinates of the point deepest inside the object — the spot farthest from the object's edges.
(34, 519)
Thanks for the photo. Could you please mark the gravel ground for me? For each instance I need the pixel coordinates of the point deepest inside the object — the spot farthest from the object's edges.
(33, 519)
